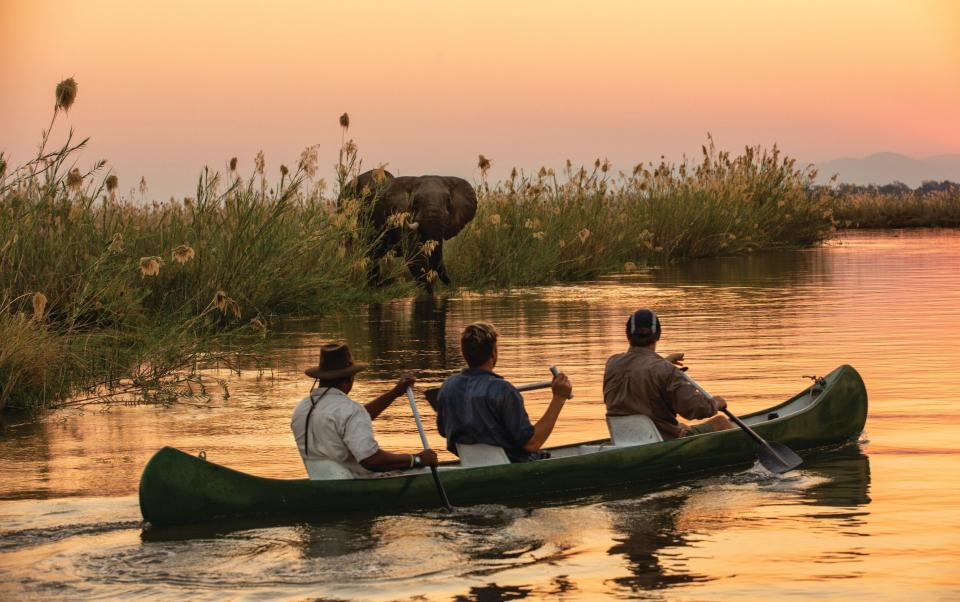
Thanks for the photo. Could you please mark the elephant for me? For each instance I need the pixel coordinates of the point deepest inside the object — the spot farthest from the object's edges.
(439, 207)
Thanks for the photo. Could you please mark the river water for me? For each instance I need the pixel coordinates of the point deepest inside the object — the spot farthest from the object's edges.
(879, 518)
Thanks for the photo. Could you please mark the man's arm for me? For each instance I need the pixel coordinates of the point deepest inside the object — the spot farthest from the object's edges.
(378, 405)
(687, 401)
(358, 437)
(384, 461)
(542, 429)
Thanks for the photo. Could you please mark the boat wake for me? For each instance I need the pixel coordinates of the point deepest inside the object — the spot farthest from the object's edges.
(14, 540)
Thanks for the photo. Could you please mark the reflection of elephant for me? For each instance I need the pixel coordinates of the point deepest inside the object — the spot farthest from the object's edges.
(438, 207)
(412, 332)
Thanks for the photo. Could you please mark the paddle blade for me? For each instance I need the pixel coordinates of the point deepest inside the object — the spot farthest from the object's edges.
(777, 457)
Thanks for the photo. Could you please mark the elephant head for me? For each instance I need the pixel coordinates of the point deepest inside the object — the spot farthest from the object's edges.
(439, 207)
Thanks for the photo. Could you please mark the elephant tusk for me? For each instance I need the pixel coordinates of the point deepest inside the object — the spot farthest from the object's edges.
(413, 225)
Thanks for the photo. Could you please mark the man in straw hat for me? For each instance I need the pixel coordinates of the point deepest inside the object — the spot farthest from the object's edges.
(639, 381)
(330, 427)
(479, 406)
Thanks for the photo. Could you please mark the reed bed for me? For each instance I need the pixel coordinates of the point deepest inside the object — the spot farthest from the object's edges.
(931, 205)
(541, 228)
(105, 297)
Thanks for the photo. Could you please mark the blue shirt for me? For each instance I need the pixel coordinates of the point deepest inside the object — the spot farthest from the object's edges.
(479, 406)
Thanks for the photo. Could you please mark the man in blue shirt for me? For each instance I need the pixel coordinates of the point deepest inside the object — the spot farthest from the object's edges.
(479, 406)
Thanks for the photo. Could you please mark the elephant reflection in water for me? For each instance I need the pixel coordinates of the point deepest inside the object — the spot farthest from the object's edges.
(431, 209)
(414, 331)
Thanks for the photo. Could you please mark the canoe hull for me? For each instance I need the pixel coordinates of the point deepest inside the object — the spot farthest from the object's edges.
(177, 488)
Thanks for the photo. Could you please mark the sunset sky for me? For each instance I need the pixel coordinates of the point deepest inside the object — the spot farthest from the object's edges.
(169, 88)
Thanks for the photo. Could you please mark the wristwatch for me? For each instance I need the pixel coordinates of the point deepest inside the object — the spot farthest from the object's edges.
(416, 460)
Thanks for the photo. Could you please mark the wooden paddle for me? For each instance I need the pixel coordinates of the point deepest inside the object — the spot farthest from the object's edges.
(426, 445)
(775, 457)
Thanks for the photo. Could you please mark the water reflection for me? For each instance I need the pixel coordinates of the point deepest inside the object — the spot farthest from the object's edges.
(777, 269)
(643, 538)
(335, 540)
(409, 335)
(494, 593)
(657, 535)
(848, 471)
(558, 588)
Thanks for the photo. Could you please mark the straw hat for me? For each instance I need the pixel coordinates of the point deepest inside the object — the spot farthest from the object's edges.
(335, 363)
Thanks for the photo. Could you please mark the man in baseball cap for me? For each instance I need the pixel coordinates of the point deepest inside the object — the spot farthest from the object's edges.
(639, 381)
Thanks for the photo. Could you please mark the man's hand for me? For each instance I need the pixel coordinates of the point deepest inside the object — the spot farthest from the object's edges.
(428, 457)
(721, 402)
(675, 359)
(406, 380)
(561, 387)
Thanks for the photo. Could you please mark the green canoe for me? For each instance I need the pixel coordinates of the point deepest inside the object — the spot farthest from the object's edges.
(178, 488)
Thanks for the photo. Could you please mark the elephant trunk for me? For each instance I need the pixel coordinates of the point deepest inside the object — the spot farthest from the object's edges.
(430, 223)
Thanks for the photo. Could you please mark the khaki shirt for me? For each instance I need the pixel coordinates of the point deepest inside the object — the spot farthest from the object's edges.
(641, 382)
(340, 430)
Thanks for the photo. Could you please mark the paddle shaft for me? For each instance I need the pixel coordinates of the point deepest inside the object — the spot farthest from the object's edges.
(544, 384)
(431, 393)
(733, 417)
(426, 445)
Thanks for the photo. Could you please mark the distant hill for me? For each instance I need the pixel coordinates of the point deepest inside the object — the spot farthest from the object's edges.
(885, 168)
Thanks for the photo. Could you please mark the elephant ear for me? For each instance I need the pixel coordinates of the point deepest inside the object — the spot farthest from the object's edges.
(463, 205)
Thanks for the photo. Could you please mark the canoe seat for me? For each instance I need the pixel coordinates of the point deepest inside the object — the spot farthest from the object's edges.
(481, 454)
(327, 470)
(632, 430)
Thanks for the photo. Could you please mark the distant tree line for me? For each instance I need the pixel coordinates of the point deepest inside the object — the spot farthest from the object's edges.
(898, 188)
(896, 205)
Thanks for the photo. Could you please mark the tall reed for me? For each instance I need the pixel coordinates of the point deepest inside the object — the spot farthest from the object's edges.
(541, 228)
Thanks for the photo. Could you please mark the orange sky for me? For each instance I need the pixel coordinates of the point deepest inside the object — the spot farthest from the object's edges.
(168, 88)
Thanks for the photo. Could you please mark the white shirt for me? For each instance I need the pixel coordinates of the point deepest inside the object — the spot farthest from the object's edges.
(340, 430)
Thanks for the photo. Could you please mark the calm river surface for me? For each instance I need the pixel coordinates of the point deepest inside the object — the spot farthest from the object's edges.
(878, 519)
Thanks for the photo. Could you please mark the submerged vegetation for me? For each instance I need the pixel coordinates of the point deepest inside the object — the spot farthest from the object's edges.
(106, 298)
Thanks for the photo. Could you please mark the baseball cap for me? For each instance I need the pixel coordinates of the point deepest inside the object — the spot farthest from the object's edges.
(643, 320)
